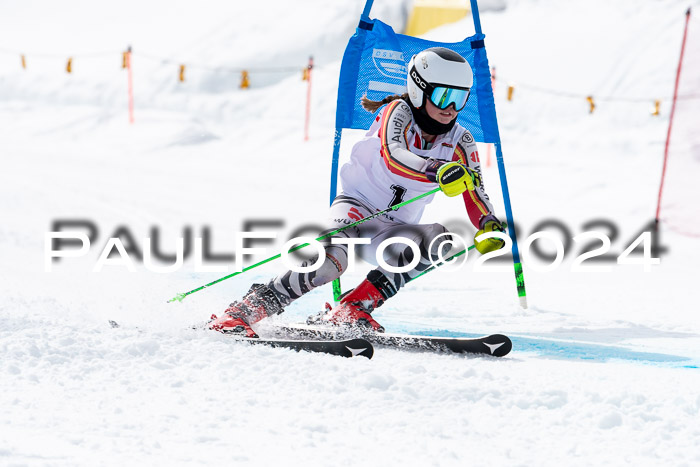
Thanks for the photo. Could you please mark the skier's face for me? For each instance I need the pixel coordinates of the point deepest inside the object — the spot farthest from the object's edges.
(441, 115)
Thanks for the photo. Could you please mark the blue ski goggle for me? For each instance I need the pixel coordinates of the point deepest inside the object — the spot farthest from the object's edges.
(441, 96)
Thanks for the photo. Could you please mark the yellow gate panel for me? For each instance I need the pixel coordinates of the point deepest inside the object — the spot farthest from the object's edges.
(429, 14)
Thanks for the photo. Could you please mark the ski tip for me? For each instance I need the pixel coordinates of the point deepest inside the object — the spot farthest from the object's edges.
(498, 345)
(359, 347)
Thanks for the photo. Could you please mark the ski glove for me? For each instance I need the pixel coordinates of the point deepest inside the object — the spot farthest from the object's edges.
(489, 224)
(453, 178)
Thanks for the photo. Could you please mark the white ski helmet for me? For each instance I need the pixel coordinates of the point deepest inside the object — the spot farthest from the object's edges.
(441, 75)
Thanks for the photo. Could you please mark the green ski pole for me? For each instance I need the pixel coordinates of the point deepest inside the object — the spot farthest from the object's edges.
(433, 267)
(181, 296)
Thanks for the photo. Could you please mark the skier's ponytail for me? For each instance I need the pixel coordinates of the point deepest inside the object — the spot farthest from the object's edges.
(373, 106)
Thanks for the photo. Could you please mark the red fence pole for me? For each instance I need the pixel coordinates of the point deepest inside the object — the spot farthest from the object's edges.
(308, 99)
(670, 118)
(131, 85)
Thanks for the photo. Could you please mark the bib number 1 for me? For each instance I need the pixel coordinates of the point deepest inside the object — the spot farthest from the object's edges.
(399, 193)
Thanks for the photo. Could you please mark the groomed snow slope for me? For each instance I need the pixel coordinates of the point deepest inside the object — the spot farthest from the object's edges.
(604, 369)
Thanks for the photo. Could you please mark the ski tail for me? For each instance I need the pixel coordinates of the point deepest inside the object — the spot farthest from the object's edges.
(344, 348)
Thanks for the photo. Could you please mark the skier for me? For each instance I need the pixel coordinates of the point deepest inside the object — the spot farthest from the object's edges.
(414, 144)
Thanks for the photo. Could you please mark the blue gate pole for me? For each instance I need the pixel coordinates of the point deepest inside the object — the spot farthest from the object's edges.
(517, 264)
(365, 12)
(334, 164)
(337, 290)
(336, 155)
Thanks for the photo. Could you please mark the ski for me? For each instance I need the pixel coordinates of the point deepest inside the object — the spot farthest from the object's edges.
(347, 347)
(343, 347)
(496, 345)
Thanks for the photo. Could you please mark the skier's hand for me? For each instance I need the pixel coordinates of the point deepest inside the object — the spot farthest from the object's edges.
(453, 178)
(489, 244)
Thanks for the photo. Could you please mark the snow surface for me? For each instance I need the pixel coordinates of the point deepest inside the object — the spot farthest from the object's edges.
(604, 369)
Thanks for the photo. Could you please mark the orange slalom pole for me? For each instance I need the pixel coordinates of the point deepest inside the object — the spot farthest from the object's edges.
(131, 85)
(308, 99)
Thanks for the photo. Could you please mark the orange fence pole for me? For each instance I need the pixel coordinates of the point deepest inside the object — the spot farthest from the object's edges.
(131, 85)
(245, 80)
(308, 98)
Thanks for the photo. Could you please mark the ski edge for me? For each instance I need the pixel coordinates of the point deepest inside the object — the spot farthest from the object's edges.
(344, 347)
(356, 347)
(496, 345)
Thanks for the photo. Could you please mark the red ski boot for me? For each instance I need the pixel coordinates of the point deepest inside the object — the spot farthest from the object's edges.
(260, 302)
(355, 306)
